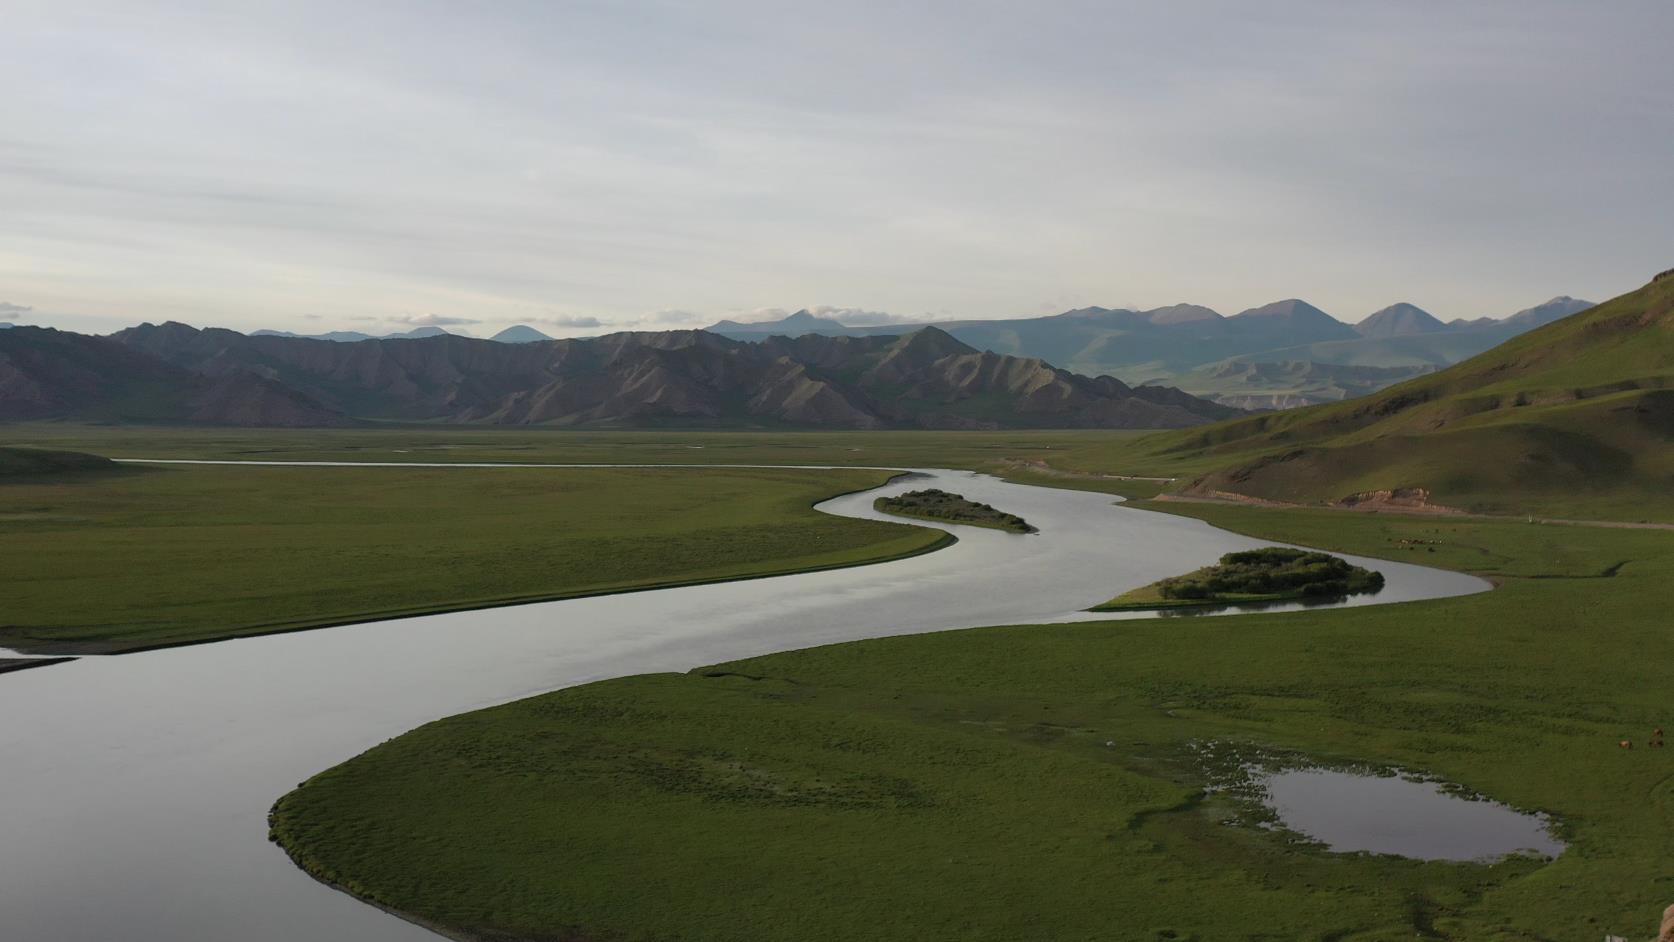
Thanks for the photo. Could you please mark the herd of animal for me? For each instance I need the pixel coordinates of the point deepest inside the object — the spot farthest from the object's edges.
(1655, 741)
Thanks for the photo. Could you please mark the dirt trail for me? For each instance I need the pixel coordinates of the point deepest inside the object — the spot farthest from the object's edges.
(1406, 510)
(1040, 467)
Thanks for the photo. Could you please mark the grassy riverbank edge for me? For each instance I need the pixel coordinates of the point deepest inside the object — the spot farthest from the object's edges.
(1296, 528)
(54, 652)
(9, 664)
(881, 507)
(942, 542)
(1134, 601)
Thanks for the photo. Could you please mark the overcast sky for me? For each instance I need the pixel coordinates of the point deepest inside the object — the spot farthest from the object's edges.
(577, 166)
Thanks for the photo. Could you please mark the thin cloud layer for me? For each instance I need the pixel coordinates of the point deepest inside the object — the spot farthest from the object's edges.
(856, 317)
(849, 316)
(433, 320)
(571, 322)
(177, 163)
(672, 317)
(11, 312)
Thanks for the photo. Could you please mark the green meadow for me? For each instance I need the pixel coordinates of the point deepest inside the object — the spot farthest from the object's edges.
(1044, 782)
(103, 561)
(1069, 450)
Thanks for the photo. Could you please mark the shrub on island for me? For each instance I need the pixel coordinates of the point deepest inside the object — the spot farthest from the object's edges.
(935, 504)
(1271, 573)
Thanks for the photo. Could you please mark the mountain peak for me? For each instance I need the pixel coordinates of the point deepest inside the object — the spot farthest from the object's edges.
(792, 325)
(1182, 314)
(419, 333)
(1399, 320)
(926, 379)
(1556, 309)
(932, 341)
(1288, 309)
(520, 333)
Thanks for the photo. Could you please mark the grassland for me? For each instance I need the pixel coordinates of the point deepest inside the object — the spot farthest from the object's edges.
(941, 506)
(1074, 450)
(1043, 782)
(20, 463)
(131, 559)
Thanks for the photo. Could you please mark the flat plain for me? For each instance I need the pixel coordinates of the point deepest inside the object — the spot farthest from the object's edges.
(145, 556)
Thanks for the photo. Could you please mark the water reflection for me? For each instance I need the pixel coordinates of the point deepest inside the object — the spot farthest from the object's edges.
(1245, 608)
(147, 777)
(1400, 814)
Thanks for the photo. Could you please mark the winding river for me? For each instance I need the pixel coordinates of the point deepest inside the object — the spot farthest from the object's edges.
(135, 788)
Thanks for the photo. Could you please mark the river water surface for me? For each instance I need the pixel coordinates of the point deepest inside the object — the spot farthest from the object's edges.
(134, 789)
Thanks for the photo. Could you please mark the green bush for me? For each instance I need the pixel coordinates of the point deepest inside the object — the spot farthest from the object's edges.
(1273, 570)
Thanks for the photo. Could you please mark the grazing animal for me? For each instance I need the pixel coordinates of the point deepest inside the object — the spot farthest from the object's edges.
(1626, 744)
(1667, 925)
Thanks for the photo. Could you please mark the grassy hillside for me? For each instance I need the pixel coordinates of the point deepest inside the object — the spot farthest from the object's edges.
(122, 561)
(1046, 782)
(1252, 383)
(1575, 418)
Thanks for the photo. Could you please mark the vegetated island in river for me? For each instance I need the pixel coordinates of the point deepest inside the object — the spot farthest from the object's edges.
(1270, 574)
(934, 504)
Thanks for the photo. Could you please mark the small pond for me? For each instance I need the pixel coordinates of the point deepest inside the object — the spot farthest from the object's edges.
(1402, 815)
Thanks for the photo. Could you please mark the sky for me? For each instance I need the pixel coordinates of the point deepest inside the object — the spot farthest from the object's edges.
(582, 167)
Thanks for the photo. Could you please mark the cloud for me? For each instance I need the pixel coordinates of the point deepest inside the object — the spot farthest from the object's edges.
(857, 317)
(10, 311)
(672, 317)
(433, 320)
(849, 316)
(1229, 152)
(571, 321)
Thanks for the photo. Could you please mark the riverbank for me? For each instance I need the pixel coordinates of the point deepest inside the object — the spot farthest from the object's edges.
(244, 722)
(187, 554)
(816, 788)
(8, 664)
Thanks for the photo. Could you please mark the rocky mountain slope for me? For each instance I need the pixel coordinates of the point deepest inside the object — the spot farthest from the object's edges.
(1182, 345)
(926, 379)
(51, 374)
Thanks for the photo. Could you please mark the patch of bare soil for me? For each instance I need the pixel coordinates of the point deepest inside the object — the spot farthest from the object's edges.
(1395, 506)
(1405, 499)
(1040, 467)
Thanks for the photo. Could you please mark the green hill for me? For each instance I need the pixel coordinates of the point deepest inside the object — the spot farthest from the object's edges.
(1248, 383)
(1574, 418)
